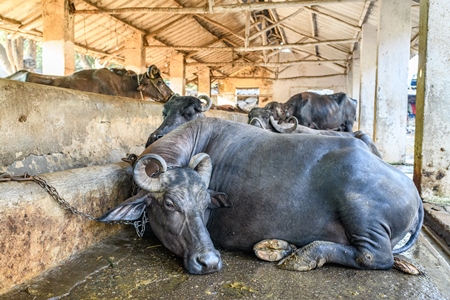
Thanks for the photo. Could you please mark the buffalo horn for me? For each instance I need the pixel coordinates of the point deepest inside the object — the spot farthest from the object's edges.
(252, 121)
(208, 102)
(153, 72)
(142, 168)
(280, 129)
(201, 163)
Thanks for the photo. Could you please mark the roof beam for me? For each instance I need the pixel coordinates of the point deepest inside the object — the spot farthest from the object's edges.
(88, 2)
(262, 64)
(275, 24)
(232, 8)
(283, 78)
(5, 20)
(220, 26)
(254, 48)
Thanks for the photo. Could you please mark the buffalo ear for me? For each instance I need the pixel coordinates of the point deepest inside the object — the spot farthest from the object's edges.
(130, 210)
(201, 163)
(219, 199)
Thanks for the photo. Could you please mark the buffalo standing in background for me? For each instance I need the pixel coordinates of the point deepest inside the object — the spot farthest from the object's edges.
(115, 82)
(333, 112)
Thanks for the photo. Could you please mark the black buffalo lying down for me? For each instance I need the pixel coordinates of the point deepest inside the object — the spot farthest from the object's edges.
(265, 119)
(115, 82)
(329, 195)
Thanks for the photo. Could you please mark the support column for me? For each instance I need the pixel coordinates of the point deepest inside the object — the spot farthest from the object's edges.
(356, 78)
(58, 49)
(368, 65)
(355, 82)
(392, 75)
(135, 53)
(204, 82)
(432, 143)
(178, 74)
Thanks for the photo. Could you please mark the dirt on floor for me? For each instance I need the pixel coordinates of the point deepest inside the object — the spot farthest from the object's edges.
(127, 267)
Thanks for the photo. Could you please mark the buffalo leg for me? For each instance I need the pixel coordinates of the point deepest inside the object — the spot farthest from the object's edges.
(318, 253)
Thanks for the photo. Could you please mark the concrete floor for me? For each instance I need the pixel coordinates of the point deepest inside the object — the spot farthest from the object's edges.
(126, 267)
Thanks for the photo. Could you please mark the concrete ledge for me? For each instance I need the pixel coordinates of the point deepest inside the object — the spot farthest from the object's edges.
(47, 129)
(37, 234)
(438, 218)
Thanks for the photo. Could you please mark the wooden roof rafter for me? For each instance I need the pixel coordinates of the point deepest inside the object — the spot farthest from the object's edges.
(254, 48)
(232, 8)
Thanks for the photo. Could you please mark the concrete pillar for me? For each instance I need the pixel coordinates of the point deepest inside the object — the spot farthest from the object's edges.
(178, 74)
(356, 78)
(355, 82)
(432, 142)
(135, 53)
(368, 67)
(392, 75)
(204, 82)
(58, 49)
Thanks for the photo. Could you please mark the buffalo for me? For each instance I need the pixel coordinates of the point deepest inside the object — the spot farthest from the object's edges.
(334, 112)
(179, 110)
(114, 82)
(216, 183)
(264, 118)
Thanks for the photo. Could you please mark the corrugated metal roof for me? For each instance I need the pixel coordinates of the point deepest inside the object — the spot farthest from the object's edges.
(104, 35)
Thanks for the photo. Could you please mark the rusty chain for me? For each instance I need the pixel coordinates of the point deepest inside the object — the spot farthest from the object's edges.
(138, 225)
(139, 86)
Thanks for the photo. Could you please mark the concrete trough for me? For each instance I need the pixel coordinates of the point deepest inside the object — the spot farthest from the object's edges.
(37, 233)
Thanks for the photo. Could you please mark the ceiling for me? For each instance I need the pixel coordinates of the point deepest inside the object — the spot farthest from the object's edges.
(234, 38)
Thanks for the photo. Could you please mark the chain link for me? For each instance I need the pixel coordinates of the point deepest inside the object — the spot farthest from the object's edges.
(138, 225)
(139, 85)
(55, 195)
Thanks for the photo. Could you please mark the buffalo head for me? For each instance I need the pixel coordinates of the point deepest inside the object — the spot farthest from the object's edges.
(264, 118)
(280, 110)
(259, 117)
(178, 204)
(152, 85)
(177, 111)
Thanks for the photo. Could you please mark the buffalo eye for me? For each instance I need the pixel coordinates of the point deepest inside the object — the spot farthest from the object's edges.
(169, 204)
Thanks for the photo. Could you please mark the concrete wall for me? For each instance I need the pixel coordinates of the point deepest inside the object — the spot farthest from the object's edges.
(432, 142)
(227, 90)
(75, 141)
(284, 89)
(37, 234)
(290, 82)
(308, 77)
(46, 129)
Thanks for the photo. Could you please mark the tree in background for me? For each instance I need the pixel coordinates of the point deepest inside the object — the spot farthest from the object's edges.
(25, 54)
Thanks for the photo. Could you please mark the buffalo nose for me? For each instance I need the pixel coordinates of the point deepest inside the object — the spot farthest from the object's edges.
(153, 138)
(208, 262)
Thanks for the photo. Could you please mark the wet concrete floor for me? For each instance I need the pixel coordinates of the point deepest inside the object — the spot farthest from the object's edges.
(127, 267)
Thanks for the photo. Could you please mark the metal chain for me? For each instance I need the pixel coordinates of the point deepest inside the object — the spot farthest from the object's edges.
(138, 225)
(55, 195)
(139, 84)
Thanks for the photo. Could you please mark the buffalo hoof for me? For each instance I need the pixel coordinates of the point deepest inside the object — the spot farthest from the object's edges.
(300, 260)
(406, 267)
(273, 250)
